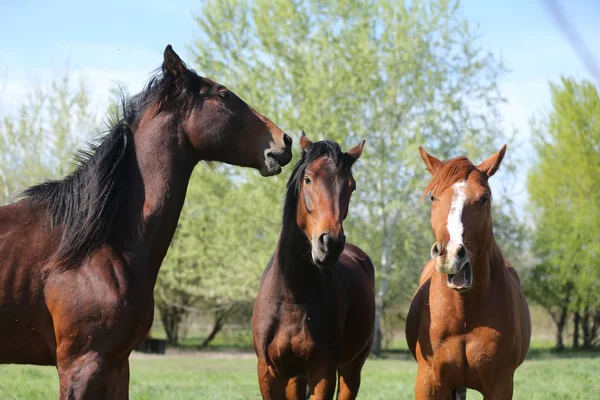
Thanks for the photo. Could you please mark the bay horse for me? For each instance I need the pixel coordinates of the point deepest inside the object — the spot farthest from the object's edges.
(468, 325)
(313, 318)
(79, 257)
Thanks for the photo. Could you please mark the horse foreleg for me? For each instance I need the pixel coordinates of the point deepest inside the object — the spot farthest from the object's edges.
(296, 389)
(118, 382)
(502, 389)
(349, 376)
(427, 387)
(82, 377)
(322, 383)
(271, 387)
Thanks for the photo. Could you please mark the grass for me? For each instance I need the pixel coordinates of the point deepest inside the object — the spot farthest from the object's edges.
(546, 375)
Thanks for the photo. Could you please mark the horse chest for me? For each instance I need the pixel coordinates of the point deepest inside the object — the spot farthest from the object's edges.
(473, 350)
(302, 334)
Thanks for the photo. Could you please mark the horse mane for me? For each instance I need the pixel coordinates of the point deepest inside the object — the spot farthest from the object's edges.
(324, 148)
(85, 202)
(451, 171)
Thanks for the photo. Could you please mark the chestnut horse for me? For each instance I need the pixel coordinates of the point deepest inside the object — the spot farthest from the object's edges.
(313, 318)
(468, 324)
(79, 257)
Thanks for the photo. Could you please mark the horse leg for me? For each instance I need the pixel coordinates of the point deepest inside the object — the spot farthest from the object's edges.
(118, 384)
(502, 389)
(296, 389)
(82, 377)
(348, 383)
(271, 387)
(427, 387)
(349, 376)
(322, 384)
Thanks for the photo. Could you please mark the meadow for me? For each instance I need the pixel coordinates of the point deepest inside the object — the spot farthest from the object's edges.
(228, 376)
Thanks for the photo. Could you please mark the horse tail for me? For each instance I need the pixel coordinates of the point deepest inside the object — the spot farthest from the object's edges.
(459, 394)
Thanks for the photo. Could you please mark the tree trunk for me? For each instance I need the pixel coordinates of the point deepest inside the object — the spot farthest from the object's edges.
(220, 319)
(219, 322)
(383, 284)
(171, 317)
(595, 326)
(586, 328)
(576, 319)
(560, 327)
(561, 320)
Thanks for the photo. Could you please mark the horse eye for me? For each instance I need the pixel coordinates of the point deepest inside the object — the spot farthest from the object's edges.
(432, 197)
(224, 94)
(484, 199)
(307, 180)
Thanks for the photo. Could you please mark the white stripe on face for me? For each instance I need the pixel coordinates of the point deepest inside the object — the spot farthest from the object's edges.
(455, 226)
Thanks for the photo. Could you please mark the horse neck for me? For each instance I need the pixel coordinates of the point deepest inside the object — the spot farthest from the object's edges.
(294, 270)
(159, 169)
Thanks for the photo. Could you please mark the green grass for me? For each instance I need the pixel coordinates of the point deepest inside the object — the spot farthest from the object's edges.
(187, 376)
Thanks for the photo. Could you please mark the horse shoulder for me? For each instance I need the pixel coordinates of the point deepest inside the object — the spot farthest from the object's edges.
(361, 258)
(265, 313)
(419, 301)
(512, 271)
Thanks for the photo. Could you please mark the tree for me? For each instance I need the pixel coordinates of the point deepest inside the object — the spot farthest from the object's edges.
(38, 143)
(222, 244)
(564, 188)
(397, 74)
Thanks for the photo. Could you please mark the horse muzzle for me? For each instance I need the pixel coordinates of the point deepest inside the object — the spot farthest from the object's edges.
(452, 259)
(327, 249)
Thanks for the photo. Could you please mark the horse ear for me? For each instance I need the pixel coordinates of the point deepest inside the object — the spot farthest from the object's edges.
(172, 64)
(432, 163)
(491, 165)
(305, 142)
(356, 151)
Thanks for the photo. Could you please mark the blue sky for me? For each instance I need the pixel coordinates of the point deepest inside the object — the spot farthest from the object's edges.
(123, 40)
(108, 41)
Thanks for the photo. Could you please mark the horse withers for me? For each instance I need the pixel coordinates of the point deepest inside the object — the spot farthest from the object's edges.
(313, 318)
(79, 257)
(468, 325)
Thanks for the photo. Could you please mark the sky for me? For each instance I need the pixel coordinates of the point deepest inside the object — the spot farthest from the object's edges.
(105, 42)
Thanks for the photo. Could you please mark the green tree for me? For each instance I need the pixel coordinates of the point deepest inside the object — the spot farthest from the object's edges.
(399, 74)
(564, 188)
(222, 243)
(38, 143)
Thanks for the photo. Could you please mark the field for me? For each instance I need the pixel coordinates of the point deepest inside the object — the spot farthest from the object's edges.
(219, 375)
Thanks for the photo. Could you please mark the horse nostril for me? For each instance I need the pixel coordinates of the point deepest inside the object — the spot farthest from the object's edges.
(462, 252)
(287, 140)
(323, 242)
(435, 250)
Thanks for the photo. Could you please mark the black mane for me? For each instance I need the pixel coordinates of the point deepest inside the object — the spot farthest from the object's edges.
(325, 148)
(85, 202)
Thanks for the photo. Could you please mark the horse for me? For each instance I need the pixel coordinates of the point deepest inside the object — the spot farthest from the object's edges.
(79, 257)
(468, 325)
(313, 318)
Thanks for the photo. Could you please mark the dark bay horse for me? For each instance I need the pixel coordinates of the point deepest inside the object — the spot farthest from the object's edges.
(313, 318)
(468, 324)
(79, 257)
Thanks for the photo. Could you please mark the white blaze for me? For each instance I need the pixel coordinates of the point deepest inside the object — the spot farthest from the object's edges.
(455, 226)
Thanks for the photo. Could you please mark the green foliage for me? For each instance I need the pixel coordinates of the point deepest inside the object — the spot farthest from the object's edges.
(398, 74)
(38, 143)
(223, 241)
(564, 188)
